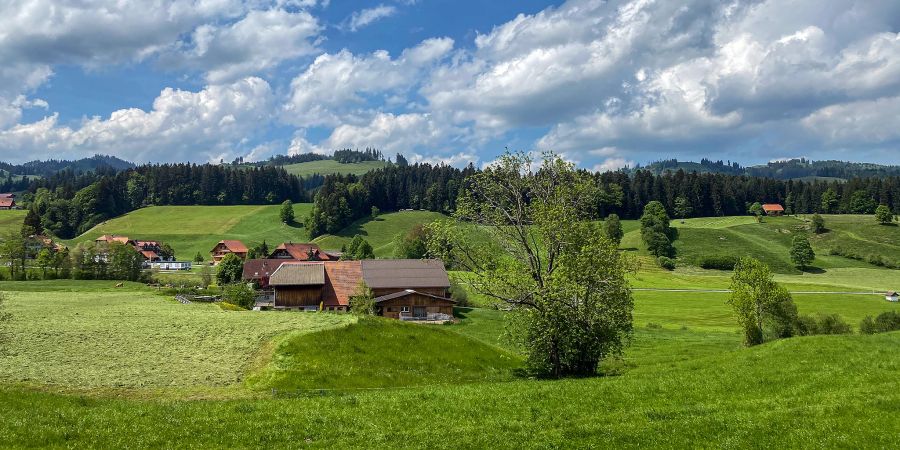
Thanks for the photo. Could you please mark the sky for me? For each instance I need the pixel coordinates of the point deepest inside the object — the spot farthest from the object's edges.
(603, 83)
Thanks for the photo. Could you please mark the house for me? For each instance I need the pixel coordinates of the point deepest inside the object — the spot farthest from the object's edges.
(892, 296)
(301, 252)
(260, 270)
(772, 209)
(224, 247)
(111, 238)
(8, 203)
(403, 289)
(150, 250)
(38, 242)
(169, 265)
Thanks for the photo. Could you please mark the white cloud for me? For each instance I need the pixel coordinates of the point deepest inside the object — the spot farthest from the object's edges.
(182, 125)
(364, 17)
(613, 164)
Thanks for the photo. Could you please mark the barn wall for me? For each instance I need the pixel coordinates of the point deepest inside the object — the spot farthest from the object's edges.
(391, 308)
(298, 296)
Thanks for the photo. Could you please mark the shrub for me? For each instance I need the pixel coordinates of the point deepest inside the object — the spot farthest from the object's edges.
(458, 293)
(867, 326)
(719, 262)
(240, 294)
(654, 326)
(666, 263)
(823, 324)
(885, 322)
(230, 307)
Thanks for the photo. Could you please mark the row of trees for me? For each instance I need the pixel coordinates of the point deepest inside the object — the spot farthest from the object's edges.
(87, 261)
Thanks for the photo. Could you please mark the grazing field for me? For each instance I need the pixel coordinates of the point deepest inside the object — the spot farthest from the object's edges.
(330, 166)
(380, 232)
(382, 353)
(129, 338)
(11, 220)
(192, 229)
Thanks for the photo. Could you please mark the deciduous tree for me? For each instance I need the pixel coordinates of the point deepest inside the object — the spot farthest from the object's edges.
(230, 270)
(764, 308)
(884, 215)
(802, 253)
(612, 226)
(655, 230)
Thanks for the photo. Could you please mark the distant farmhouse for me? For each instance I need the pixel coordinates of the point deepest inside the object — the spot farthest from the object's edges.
(302, 252)
(151, 251)
(773, 209)
(8, 201)
(892, 296)
(225, 247)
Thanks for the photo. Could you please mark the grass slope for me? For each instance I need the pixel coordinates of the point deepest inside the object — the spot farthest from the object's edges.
(380, 232)
(11, 220)
(330, 166)
(192, 229)
(130, 338)
(825, 391)
(382, 353)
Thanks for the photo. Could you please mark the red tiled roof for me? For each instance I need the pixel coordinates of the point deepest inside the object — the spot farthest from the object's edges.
(113, 238)
(149, 255)
(341, 282)
(300, 251)
(7, 203)
(234, 246)
(7, 195)
(255, 269)
(772, 207)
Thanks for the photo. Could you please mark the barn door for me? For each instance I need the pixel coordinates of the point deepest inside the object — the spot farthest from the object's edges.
(419, 311)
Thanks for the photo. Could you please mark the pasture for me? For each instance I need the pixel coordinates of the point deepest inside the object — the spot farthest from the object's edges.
(380, 231)
(330, 166)
(192, 229)
(11, 220)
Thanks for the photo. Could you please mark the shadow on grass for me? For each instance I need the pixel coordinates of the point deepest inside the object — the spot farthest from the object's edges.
(294, 224)
(816, 270)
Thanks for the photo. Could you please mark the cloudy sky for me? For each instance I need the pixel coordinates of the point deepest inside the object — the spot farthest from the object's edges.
(606, 83)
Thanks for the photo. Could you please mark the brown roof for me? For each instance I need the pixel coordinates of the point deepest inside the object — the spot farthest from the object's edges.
(772, 207)
(255, 269)
(300, 251)
(299, 274)
(7, 195)
(7, 203)
(149, 254)
(341, 282)
(404, 273)
(234, 246)
(113, 238)
(387, 297)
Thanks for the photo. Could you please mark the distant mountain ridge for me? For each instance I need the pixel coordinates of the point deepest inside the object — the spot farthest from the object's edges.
(49, 167)
(782, 170)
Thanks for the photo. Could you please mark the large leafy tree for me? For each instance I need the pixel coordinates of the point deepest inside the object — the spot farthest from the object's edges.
(764, 308)
(802, 253)
(359, 248)
(655, 230)
(526, 236)
(230, 270)
(612, 226)
(287, 212)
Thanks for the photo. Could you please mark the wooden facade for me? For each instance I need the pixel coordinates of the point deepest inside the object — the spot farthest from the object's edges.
(298, 296)
(415, 305)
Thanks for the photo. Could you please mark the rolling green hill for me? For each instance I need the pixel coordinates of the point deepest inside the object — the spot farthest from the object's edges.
(330, 166)
(11, 220)
(380, 232)
(192, 229)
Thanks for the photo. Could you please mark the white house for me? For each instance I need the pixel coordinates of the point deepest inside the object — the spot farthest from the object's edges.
(892, 296)
(170, 265)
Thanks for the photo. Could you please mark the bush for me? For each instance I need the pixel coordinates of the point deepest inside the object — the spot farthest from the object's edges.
(240, 294)
(230, 307)
(458, 293)
(823, 324)
(885, 322)
(719, 262)
(666, 263)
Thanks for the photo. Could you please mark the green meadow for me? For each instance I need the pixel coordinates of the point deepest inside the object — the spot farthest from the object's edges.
(11, 220)
(330, 166)
(380, 231)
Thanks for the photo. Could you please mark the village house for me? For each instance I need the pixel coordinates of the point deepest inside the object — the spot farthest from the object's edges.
(225, 247)
(892, 296)
(38, 242)
(402, 289)
(301, 252)
(149, 250)
(772, 209)
(258, 271)
(8, 203)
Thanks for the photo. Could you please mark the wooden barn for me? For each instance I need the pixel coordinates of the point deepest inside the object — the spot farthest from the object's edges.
(772, 209)
(409, 289)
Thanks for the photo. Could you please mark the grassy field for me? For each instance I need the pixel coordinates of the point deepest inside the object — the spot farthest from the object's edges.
(192, 229)
(382, 353)
(11, 220)
(380, 232)
(329, 166)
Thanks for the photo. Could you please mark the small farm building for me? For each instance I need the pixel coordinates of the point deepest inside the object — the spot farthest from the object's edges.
(892, 296)
(772, 209)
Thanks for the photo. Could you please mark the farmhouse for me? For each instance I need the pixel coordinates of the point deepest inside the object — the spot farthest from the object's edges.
(38, 242)
(150, 250)
(260, 270)
(403, 289)
(892, 296)
(301, 252)
(773, 209)
(7, 203)
(224, 247)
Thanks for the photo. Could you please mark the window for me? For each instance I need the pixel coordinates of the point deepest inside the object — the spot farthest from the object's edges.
(404, 309)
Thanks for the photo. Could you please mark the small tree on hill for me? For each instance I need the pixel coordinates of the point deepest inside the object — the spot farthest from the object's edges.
(375, 212)
(359, 248)
(818, 224)
(287, 212)
(655, 230)
(762, 305)
(682, 208)
(612, 227)
(198, 258)
(802, 253)
(756, 209)
(230, 270)
(884, 215)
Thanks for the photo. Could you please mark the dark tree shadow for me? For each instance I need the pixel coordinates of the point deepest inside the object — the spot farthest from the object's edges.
(816, 270)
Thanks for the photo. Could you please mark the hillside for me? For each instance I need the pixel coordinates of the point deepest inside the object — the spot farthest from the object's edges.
(192, 229)
(380, 232)
(792, 169)
(330, 166)
(11, 220)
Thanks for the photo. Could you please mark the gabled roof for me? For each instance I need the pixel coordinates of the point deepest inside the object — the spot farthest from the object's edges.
(891, 294)
(299, 274)
(404, 273)
(108, 238)
(7, 203)
(400, 294)
(300, 251)
(150, 255)
(342, 282)
(7, 195)
(772, 207)
(232, 245)
(261, 268)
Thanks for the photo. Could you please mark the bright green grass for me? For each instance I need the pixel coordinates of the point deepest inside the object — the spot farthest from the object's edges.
(860, 234)
(380, 232)
(382, 353)
(129, 338)
(11, 220)
(330, 166)
(192, 229)
(822, 392)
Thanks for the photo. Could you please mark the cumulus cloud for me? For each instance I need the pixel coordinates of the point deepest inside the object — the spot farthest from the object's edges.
(182, 125)
(364, 17)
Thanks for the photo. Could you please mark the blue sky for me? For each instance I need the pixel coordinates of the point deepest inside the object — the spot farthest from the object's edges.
(605, 83)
